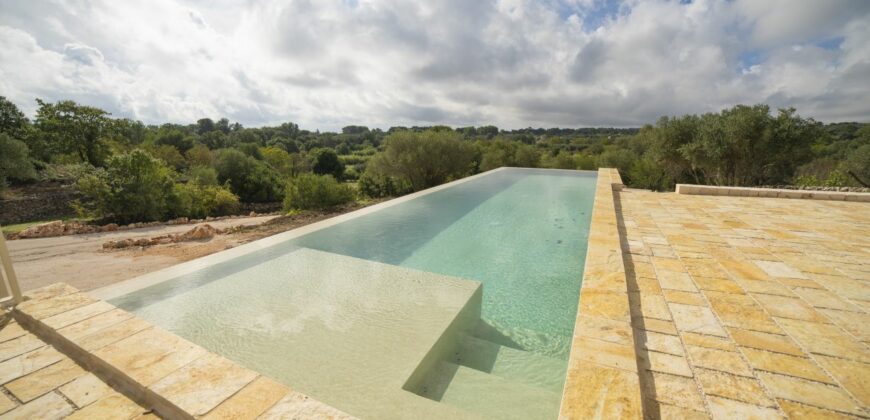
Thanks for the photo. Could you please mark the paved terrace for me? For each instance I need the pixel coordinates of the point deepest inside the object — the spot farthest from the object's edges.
(723, 307)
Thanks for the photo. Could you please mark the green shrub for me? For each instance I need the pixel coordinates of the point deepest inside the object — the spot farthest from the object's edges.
(134, 187)
(14, 161)
(326, 162)
(309, 191)
(377, 186)
(198, 201)
(252, 180)
(203, 175)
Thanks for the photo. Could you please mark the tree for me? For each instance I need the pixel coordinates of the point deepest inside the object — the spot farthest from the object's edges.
(199, 155)
(175, 138)
(67, 127)
(309, 191)
(14, 161)
(326, 162)
(251, 179)
(424, 159)
(204, 125)
(12, 120)
(134, 187)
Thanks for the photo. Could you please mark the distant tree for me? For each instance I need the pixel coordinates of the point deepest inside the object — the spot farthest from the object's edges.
(175, 138)
(326, 162)
(278, 159)
(488, 131)
(223, 125)
(309, 191)
(354, 129)
(169, 155)
(71, 128)
(204, 125)
(199, 155)
(251, 179)
(424, 159)
(12, 120)
(214, 140)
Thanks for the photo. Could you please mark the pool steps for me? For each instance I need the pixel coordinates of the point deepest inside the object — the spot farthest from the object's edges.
(512, 364)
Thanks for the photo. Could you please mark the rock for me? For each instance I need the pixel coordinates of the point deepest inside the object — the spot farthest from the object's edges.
(253, 213)
(203, 231)
(54, 228)
(111, 227)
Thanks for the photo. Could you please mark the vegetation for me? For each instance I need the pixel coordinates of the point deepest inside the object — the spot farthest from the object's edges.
(129, 171)
(310, 191)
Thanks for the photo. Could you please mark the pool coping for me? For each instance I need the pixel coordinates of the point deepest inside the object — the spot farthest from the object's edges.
(691, 189)
(602, 379)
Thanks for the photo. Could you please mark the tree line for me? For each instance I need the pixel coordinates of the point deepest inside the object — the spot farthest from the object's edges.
(130, 171)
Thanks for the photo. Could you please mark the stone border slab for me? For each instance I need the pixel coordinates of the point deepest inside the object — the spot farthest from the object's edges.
(689, 189)
(602, 380)
(155, 368)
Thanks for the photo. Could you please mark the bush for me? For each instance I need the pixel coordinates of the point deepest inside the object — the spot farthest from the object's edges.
(203, 175)
(425, 159)
(198, 201)
(377, 186)
(251, 179)
(134, 187)
(309, 191)
(14, 161)
(326, 162)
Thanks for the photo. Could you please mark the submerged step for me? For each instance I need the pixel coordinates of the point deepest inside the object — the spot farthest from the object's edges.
(510, 363)
(490, 395)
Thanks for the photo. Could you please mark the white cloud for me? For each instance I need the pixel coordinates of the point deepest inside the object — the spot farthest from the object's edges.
(513, 63)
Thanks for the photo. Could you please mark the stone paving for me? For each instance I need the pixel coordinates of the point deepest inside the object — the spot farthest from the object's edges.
(746, 307)
(95, 344)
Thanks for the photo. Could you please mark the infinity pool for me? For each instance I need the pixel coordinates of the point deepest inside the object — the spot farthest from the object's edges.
(454, 303)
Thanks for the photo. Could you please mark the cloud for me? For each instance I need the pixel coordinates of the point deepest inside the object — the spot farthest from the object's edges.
(513, 63)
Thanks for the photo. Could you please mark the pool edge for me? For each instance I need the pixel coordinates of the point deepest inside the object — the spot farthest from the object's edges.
(602, 379)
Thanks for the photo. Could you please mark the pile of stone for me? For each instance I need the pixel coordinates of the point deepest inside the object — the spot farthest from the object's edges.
(203, 231)
(61, 228)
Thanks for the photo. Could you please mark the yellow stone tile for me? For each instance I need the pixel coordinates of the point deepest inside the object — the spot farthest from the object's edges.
(667, 411)
(6, 403)
(668, 264)
(784, 307)
(676, 281)
(676, 390)
(718, 285)
(606, 304)
(10, 329)
(808, 284)
(810, 393)
(821, 298)
(743, 269)
(85, 390)
(28, 362)
(697, 319)
(150, 355)
(857, 324)
(785, 364)
(44, 308)
(666, 363)
(715, 359)
(650, 305)
(779, 269)
(44, 380)
(854, 376)
(113, 406)
(657, 325)
(78, 314)
(604, 329)
(770, 287)
(252, 400)
(201, 385)
(723, 408)
(49, 406)
(644, 285)
(50, 291)
(686, 298)
(595, 391)
(805, 412)
(708, 269)
(604, 353)
(731, 386)
(94, 324)
(664, 343)
(825, 339)
(741, 311)
(708, 341)
(17, 346)
(765, 341)
(112, 334)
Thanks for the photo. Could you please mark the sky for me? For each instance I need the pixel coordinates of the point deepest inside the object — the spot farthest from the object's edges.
(325, 64)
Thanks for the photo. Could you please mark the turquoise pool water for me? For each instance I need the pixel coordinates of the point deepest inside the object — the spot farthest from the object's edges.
(521, 233)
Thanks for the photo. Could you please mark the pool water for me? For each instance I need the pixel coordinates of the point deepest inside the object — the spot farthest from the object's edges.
(520, 233)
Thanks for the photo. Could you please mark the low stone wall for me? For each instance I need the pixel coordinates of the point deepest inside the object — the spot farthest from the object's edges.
(42, 203)
(772, 193)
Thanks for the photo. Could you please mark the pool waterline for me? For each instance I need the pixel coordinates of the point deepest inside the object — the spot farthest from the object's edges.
(521, 233)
